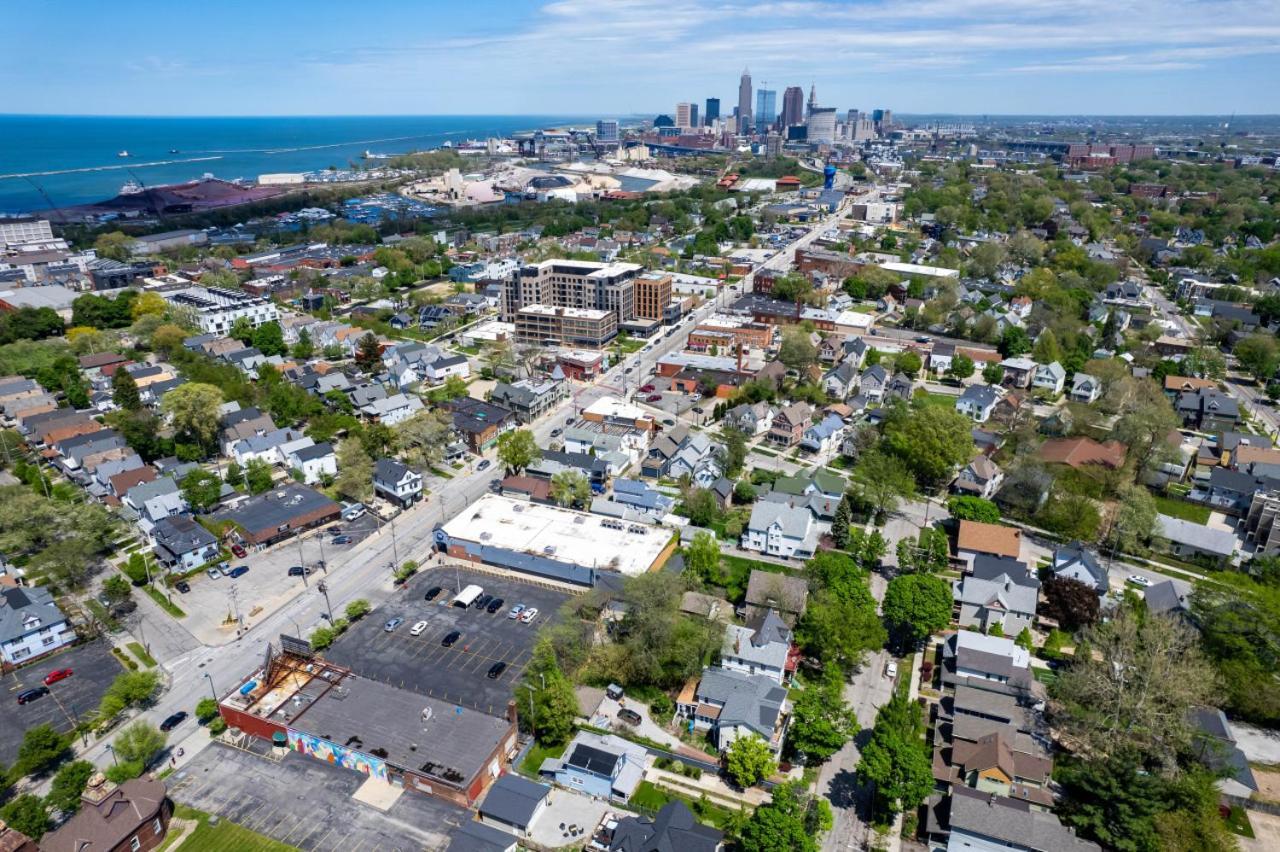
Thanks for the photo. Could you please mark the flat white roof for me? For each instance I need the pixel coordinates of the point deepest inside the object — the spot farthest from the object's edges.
(553, 311)
(917, 269)
(855, 319)
(612, 407)
(578, 538)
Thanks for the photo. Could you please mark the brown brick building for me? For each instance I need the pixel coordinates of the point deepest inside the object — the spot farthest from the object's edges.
(652, 295)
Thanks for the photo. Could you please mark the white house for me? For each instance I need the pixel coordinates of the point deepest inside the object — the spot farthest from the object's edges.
(759, 648)
(393, 410)
(1050, 377)
(940, 357)
(396, 482)
(316, 462)
(31, 624)
(1085, 388)
(978, 401)
(437, 371)
(781, 530)
(872, 382)
(979, 478)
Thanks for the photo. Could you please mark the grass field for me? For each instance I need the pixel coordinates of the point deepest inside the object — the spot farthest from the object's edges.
(138, 651)
(158, 596)
(224, 836)
(537, 754)
(652, 797)
(1175, 508)
(934, 400)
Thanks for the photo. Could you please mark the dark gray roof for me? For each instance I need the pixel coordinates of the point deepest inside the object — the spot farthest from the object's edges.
(30, 604)
(513, 800)
(390, 471)
(478, 837)
(1012, 822)
(591, 759)
(277, 507)
(315, 451)
(674, 829)
(1163, 598)
(181, 534)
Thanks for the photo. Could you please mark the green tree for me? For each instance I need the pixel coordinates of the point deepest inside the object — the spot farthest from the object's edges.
(896, 760)
(961, 366)
(242, 330)
(1014, 342)
(797, 351)
(368, 353)
(822, 721)
(1259, 354)
(115, 245)
(28, 814)
(194, 409)
(454, 387)
(1133, 520)
(129, 689)
(1024, 639)
(304, 348)
(702, 557)
(517, 450)
(932, 441)
(735, 452)
(840, 626)
(357, 609)
(422, 438)
(1146, 421)
(1070, 516)
(116, 589)
(570, 488)
(882, 480)
(1046, 349)
(793, 820)
(139, 743)
(201, 488)
(257, 474)
(42, 748)
(355, 471)
(840, 523)
(701, 507)
(68, 784)
(916, 605)
(268, 339)
(993, 374)
(749, 761)
(124, 391)
(908, 362)
(206, 710)
(555, 704)
(966, 508)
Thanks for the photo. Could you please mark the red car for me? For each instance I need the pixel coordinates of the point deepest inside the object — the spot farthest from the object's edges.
(238, 550)
(657, 397)
(56, 675)
(646, 388)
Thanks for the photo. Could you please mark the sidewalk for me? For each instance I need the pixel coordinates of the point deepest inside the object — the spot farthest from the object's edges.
(715, 788)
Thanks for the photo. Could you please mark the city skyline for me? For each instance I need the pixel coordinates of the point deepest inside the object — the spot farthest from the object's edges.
(1134, 57)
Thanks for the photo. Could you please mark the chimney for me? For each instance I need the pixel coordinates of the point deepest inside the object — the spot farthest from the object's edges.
(97, 790)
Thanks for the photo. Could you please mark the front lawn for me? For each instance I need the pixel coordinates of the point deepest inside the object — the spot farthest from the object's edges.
(224, 836)
(1176, 508)
(651, 797)
(538, 753)
(933, 400)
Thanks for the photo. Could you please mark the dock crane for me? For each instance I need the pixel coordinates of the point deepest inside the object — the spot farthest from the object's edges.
(54, 207)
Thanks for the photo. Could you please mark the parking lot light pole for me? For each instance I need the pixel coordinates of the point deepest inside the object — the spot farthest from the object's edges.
(212, 690)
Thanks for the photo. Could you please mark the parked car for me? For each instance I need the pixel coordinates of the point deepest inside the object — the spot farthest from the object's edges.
(891, 669)
(556, 432)
(667, 421)
(173, 721)
(568, 421)
(484, 464)
(924, 338)
(482, 601)
(631, 717)
(417, 629)
(238, 571)
(515, 611)
(238, 550)
(182, 586)
(213, 573)
(341, 539)
(433, 593)
(496, 670)
(495, 605)
(653, 397)
(56, 675)
(628, 370)
(392, 624)
(451, 638)
(1139, 580)
(647, 388)
(299, 571)
(529, 615)
(29, 695)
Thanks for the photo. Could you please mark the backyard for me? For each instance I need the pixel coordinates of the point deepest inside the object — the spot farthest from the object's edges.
(1175, 508)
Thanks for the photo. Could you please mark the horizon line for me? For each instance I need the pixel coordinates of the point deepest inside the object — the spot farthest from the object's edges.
(595, 116)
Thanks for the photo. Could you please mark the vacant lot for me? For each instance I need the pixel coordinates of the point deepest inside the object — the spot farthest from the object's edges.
(458, 673)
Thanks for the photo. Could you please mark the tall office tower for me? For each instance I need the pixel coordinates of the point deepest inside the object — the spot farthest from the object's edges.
(813, 98)
(792, 106)
(607, 132)
(822, 125)
(766, 109)
(877, 115)
(682, 115)
(713, 111)
(887, 121)
(744, 101)
(693, 116)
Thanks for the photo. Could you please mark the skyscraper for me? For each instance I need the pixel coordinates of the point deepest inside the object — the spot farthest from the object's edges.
(693, 116)
(766, 109)
(792, 106)
(744, 101)
(813, 98)
(607, 132)
(682, 115)
(713, 111)
(822, 125)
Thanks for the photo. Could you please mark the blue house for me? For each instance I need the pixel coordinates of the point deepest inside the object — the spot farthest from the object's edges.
(821, 436)
(603, 766)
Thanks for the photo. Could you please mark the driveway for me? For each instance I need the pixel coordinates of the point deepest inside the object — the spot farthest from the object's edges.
(1260, 745)
(606, 716)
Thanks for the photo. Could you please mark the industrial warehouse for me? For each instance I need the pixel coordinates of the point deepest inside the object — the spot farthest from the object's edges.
(549, 541)
(405, 739)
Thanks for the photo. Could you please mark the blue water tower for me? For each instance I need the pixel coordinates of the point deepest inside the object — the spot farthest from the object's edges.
(828, 177)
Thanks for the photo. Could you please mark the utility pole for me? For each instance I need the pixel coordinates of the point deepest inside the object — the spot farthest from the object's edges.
(302, 561)
(533, 726)
(324, 590)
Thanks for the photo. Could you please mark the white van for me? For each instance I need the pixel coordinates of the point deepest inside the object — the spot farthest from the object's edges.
(351, 511)
(465, 598)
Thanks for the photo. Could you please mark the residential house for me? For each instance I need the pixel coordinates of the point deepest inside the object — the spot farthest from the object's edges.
(664, 449)
(980, 820)
(730, 704)
(133, 815)
(1208, 410)
(699, 459)
(396, 482)
(479, 422)
(1165, 599)
(393, 410)
(986, 662)
(841, 380)
(529, 399)
(901, 386)
(242, 424)
(266, 448)
(998, 590)
(978, 402)
(751, 419)
(440, 369)
(994, 764)
(595, 470)
(602, 766)
(781, 530)
(183, 545)
(941, 357)
(1231, 491)
(872, 382)
(789, 424)
(820, 493)
(1197, 541)
(1080, 452)
(1084, 388)
(513, 804)
(31, 624)
(279, 513)
(151, 501)
(976, 538)
(642, 497)
(769, 591)
(316, 462)
(824, 436)
(979, 478)
(622, 446)
(762, 647)
(1018, 372)
(1050, 377)
(1076, 562)
(672, 828)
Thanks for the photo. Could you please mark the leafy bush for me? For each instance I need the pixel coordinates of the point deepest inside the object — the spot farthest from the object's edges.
(661, 707)
(124, 771)
(136, 569)
(217, 726)
(357, 609)
(206, 709)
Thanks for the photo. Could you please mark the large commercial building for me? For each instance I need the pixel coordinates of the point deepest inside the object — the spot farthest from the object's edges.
(744, 101)
(822, 125)
(607, 132)
(20, 230)
(549, 541)
(683, 119)
(792, 106)
(766, 109)
(393, 735)
(652, 295)
(712, 111)
(573, 284)
(216, 309)
(551, 325)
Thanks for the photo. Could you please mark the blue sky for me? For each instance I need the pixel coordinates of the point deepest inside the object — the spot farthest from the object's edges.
(584, 57)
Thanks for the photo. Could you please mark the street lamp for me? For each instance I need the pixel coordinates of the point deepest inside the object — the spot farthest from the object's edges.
(533, 727)
(212, 690)
(114, 761)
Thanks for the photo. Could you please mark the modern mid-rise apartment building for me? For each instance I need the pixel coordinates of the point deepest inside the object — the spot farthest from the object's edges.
(552, 325)
(216, 309)
(573, 284)
(652, 295)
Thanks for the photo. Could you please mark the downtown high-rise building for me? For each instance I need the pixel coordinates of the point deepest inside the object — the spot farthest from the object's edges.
(712, 111)
(766, 109)
(744, 101)
(683, 115)
(792, 106)
(693, 116)
(607, 132)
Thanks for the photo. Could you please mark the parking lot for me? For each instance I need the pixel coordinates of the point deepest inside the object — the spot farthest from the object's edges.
(458, 673)
(307, 804)
(68, 699)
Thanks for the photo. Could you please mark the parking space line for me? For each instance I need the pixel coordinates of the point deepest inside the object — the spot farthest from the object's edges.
(296, 825)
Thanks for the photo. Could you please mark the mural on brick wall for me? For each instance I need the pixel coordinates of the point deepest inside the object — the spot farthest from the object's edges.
(320, 749)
